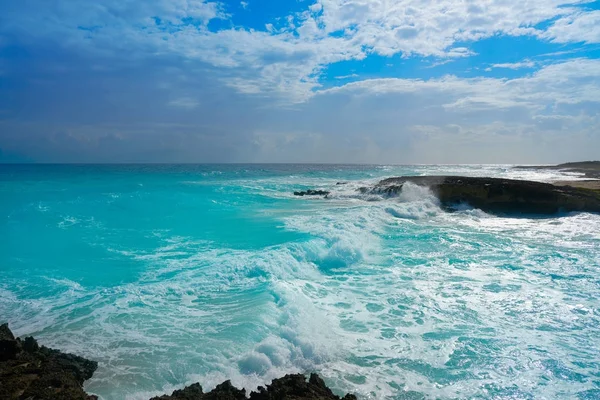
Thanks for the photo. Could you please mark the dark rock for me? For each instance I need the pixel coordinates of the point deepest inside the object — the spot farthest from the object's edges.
(30, 345)
(33, 372)
(311, 192)
(191, 392)
(499, 195)
(9, 347)
(295, 387)
(226, 391)
(28, 371)
(290, 387)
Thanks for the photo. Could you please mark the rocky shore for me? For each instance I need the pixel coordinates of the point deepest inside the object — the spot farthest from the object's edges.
(499, 195)
(29, 371)
(290, 387)
(32, 372)
(494, 195)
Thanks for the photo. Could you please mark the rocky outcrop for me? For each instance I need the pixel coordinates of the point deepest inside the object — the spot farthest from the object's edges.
(311, 192)
(498, 195)
(224, 391)
(295, 387)
(290, 387)
(30, 371)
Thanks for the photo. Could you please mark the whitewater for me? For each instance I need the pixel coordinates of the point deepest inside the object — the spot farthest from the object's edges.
(173, 274)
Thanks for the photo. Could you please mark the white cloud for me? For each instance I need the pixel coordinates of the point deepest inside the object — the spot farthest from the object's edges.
(517, 65)
(286, 61)
(577, 27)
(187, 103)
(317, 7)
(548, 116)
(244, 4)
(570, 82)
(346, 76)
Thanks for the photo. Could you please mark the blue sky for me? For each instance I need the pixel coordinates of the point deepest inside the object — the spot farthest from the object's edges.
(366, 81)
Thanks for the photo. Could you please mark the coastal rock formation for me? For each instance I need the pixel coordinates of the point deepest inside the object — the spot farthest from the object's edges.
(499, 195)
(30, 371)
(290, 387)
(295, 387)
(224, 391)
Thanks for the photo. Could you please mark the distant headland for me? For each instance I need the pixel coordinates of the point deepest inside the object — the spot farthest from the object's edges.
(500, 195)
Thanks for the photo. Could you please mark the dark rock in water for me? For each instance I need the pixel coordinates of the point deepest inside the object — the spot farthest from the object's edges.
(295, 387)
(499, 195)
(311, 192)
(224, 391)
(189, 393)
(290, 387)
(9, 347)
(30, 371)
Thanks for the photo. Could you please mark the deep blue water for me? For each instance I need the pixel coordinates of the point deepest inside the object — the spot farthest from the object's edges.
(173, 274)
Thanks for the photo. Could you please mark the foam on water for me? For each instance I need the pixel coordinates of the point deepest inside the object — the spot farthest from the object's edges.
(174, 282)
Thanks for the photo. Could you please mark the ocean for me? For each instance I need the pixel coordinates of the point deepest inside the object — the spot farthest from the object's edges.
(173, 274)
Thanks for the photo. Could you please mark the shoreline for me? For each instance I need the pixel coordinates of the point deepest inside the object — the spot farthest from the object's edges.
(31, 371)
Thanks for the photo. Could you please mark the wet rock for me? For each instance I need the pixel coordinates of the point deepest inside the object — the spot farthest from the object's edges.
(498, 195)
(311, 192)
(30, 371)
(9, 347)
(295, 387)
(290, 387)
(191, 392)
(224, 391)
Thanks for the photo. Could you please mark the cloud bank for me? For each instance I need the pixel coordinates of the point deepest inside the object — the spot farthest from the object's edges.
(328, 81)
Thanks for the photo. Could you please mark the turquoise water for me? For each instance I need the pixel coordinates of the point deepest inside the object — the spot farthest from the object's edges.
(169, 275)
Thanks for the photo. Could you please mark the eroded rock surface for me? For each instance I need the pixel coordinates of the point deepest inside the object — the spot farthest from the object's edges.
(290, 387)
(499, 195)
(29, 371)
(32, 372)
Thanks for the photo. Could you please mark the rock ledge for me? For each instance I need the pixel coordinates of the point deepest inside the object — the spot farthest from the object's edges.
(499, 195)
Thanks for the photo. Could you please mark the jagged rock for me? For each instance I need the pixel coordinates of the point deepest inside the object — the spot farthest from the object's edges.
(295, 387)
(224, 391)
(499, 195)
(30, 371)
(290, 387)
(311, 192)
(9, 347)
(191, 392)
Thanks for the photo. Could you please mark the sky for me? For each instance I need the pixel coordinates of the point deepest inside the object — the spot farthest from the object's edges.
(327, 81)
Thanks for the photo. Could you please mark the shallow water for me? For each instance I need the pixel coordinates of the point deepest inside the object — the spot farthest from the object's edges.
(169, 275)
